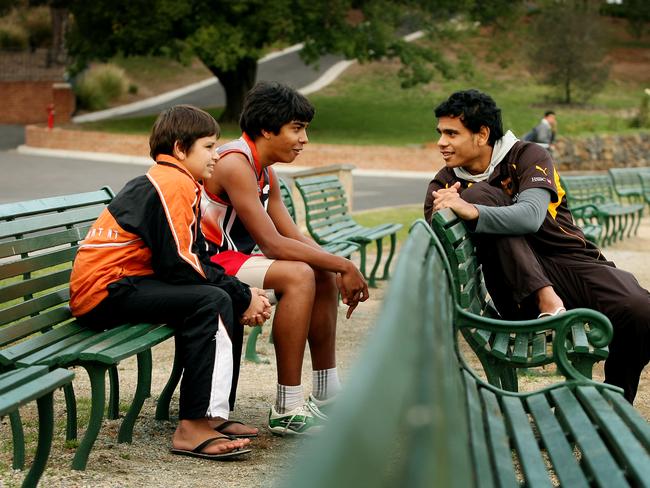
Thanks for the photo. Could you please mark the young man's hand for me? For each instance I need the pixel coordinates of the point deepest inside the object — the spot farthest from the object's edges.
(353, 288)
(450, 198)
(259, 309)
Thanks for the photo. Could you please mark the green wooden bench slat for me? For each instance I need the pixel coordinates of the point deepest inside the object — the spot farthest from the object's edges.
(33, 285)
(340, 202)
(520, 348)
(503, 465)
(594, 452)
(45, 241)
(50, 221)
(526, 446)
(38, 262)
(580, 341)
(33, 306)
(482, 336)
(538, 346)
(478, 430)
(40, 322)
(17, 377)
(35, 389)
(20, 209)
(636, 424)
(118, 336)
(131, 347)
(35, 343)
(501, 345)
(620, 440)
(47, 354)
(558, 448)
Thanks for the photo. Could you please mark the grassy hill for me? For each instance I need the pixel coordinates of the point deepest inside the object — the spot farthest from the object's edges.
(367, 106)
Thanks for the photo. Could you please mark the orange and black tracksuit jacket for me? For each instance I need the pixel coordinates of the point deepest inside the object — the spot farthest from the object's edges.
(151, 228)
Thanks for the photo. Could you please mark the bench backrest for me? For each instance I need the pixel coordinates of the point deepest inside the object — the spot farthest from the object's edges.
(38, 242)
(285, 193)
(402, 420)
(645, 185)
(627, 179)
(470, 286)
(326, 207)
(588, 189)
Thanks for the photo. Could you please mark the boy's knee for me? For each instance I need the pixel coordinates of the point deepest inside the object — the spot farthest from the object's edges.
(302, 276)
(482, 193)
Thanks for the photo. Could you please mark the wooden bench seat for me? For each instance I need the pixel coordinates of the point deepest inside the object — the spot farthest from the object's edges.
(328, 220)
(503, 353)
(414, 413)
(38, 242)
(592, 198)
(20, 387)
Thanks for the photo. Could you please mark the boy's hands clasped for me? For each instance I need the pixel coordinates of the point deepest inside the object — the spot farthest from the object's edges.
(353, 288)
(259, 310)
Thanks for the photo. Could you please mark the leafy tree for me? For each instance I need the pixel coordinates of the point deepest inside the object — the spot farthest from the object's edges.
(230, 36)
(567, 49)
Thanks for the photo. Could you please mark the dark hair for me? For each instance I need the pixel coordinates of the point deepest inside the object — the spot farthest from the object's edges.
(475, 110)
(270, 105)
(548, 112)
(182, 123)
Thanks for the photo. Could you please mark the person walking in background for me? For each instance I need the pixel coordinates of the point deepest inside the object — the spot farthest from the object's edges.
(544, 132)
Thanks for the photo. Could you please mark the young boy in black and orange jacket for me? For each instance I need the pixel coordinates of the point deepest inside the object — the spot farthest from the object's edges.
(144, 260)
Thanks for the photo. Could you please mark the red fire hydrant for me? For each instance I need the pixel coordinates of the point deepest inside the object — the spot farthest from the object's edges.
(50, 116)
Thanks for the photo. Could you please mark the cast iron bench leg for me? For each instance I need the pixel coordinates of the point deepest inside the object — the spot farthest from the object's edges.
(97, 374)
(251, 347)
(71, 412)
(18, 439)
(114, 394)
(45, 431)
(142, 391)
(165, 398)
(391, 253)
(372, 282)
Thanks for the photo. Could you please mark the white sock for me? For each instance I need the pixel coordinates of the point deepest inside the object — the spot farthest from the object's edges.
(288, 398)
(325, 383)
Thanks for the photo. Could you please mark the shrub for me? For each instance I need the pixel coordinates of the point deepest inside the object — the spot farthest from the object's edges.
(13, 36)
(100, 85)
(38, 25)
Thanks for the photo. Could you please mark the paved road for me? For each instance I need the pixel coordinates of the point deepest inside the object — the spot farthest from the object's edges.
(26, 177)
(288, 68)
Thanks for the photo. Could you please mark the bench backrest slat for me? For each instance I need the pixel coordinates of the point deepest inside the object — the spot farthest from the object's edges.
(37, 262)
(30, 286)
(55, 204)
(34, 306)
(43, 321)
(44, 241)
(40, 223)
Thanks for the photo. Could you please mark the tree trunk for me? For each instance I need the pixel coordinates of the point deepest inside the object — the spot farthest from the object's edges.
(236, 83)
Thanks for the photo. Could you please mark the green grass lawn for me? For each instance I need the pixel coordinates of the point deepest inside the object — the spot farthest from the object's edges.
(404, 215)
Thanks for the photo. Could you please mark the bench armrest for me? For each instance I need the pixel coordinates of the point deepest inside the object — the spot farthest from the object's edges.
(599, 335)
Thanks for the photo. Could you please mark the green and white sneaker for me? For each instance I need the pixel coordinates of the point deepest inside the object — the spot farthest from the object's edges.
(320, 408)
(299, 421)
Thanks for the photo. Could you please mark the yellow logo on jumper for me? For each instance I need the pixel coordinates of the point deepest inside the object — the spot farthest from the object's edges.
(543, 170)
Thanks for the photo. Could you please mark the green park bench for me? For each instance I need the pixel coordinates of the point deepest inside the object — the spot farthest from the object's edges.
(593, 197)
(328, 220)
(339, 248)
(627, 183)
(38, 242)
(20, 387)
(415, 414)
(645, 186)
(502, 353)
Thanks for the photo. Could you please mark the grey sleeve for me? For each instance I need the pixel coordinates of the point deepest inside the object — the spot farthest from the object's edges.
(523, 217)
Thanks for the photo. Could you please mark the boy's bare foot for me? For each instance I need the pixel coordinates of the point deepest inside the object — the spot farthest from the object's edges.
(233, 428)
(191, 433)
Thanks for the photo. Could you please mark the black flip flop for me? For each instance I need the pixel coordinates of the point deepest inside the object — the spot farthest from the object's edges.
(198, 450)
(227, 423)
